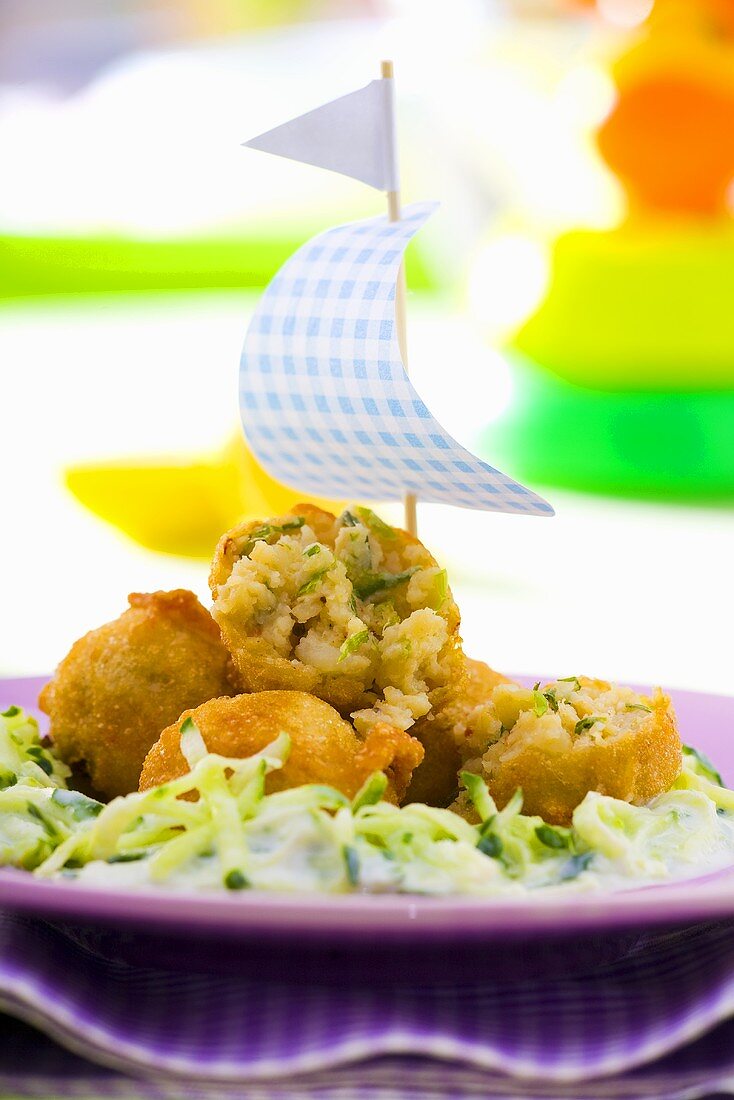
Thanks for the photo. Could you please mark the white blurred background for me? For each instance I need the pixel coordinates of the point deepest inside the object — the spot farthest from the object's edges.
(124, 121)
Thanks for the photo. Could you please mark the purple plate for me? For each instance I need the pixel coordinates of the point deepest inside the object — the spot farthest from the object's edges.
(385, 922)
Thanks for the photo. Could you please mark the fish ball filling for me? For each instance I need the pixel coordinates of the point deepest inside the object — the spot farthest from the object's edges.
(349, 609)
(573, 736)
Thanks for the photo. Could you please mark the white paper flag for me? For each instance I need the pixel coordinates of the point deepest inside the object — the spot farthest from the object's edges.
(326, 404)
(354, 135)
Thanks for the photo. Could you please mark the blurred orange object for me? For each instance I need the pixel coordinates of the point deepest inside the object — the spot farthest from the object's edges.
(670, 140)
(670, 136)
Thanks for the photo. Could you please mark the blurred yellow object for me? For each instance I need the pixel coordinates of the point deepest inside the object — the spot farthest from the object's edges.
(182, 507)
(692, 38)
(646, 306)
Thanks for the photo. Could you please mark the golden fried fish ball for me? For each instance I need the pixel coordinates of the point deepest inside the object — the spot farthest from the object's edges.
(324, 747)
(450, 738)
(467, 712)
(349, 609)
(436, 780)
(576, 735)
(121, 684)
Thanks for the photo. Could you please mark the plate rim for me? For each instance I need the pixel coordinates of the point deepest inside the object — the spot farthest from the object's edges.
(398, 916)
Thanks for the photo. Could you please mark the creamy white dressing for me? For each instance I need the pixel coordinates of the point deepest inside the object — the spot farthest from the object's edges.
(309, 863)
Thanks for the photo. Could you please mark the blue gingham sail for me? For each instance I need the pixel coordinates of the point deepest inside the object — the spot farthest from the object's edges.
(326, 404)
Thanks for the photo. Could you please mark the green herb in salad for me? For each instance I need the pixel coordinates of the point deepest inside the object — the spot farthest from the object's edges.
(553, 837)
(703, 765)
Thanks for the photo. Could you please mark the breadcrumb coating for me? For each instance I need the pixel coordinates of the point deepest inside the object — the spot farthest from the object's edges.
(452, 736)
(324, 747)
(467, 713)
(121, 684)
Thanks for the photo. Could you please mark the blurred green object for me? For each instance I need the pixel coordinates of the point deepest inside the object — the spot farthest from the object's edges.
(639, 443)
(646, 306)
(41, 266)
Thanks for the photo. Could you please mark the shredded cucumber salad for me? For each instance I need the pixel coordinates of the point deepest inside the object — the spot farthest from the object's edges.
(229, 834)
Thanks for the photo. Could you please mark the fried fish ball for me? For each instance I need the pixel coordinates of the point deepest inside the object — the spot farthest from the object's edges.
(467, 712)
(121, 684)
(452, 736)
(349, 609)
(324, 746)
(436, 780)
(573, 736)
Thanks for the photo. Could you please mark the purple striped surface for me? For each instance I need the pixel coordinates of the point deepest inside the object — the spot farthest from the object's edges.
(652, 1025)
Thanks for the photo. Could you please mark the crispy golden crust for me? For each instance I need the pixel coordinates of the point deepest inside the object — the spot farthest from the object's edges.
(394, 752)
(556, 769)
(481, 680)
(447, 737)
(436, 780)
(121, 684)
(260, 668)
(479, 683)
(444, 736)
(324, 747)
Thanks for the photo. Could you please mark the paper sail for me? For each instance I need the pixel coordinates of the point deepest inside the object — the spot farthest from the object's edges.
(325, 400)
(354, 135)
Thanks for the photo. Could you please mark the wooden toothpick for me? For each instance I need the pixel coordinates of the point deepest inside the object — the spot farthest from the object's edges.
(393, 213)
